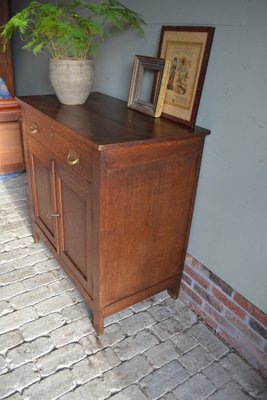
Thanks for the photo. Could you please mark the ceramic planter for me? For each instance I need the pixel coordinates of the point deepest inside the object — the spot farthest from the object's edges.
(72, 80)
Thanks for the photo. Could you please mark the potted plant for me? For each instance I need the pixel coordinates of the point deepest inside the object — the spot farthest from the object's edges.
(69, 31)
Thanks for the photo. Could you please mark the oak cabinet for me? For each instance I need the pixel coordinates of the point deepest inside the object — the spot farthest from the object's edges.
(112, 193)
(11, 154)
(11, 157)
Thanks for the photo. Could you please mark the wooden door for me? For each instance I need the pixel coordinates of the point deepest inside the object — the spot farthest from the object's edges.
(6, 66)
(76, 227)
(42, 175)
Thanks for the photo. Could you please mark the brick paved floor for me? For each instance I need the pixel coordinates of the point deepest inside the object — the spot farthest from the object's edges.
(156, 349)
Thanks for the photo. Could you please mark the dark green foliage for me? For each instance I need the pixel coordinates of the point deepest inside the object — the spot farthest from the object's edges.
(69, 29)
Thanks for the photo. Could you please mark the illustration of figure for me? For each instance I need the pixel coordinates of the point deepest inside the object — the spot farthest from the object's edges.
(182, 76)
(172, 74)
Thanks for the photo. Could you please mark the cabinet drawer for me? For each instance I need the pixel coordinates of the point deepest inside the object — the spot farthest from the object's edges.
(74, 153)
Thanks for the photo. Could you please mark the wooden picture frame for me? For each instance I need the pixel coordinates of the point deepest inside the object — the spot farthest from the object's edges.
(160, 69)
(188, 49)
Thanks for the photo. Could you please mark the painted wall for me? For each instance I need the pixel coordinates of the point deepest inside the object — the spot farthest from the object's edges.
(230, 221)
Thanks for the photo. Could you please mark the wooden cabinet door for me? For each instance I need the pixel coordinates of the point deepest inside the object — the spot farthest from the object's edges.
(43, 185)
(6, 66)
(75, 206)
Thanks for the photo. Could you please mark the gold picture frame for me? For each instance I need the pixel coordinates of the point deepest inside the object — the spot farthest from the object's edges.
(160, 69)
(188, 49)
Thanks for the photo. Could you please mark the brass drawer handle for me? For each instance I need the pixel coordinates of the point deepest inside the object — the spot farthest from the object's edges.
(34, 128)
(73, 158)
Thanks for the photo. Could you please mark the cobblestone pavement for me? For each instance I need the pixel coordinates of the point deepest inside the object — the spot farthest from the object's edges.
(156, 349)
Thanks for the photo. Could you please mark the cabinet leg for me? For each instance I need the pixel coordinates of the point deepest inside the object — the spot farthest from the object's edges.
(98, 322)
(173, 291)
(36, 237)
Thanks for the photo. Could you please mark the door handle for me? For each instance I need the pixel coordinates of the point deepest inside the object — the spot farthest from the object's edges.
(51, 215)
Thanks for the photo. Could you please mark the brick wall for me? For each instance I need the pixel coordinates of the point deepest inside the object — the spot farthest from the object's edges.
(233, 318)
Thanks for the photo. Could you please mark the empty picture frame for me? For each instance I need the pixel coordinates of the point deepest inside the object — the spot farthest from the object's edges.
(148, 100)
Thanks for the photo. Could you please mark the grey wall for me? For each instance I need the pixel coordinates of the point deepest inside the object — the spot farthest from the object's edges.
(30, 72)
(229, 226)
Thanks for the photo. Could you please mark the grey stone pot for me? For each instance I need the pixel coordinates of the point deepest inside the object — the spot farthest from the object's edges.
(72, 80)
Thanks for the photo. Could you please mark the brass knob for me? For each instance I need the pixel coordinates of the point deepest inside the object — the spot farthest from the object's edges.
(73, 158)
(34, 128)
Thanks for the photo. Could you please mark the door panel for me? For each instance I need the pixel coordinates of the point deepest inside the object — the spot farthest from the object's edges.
(44, 196)
(75, 208)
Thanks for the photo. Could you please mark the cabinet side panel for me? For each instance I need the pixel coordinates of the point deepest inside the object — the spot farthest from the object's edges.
(148, 212)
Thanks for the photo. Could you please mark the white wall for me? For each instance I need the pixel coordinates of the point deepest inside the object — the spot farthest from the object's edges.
(230, 220)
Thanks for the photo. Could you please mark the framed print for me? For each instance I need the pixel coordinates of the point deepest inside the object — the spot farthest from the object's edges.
(188, 49)
(148, 84)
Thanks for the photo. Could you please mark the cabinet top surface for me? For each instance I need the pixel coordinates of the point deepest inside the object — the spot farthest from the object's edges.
(106, 121)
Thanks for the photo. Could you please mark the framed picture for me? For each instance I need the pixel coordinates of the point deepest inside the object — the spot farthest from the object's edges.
(188, 49)
(148, 84)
